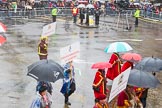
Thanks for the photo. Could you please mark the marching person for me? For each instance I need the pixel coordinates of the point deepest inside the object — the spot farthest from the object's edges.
(124, 99)
(115, 70)
(54, 13)
(43, 48)
(97, 16)
(45, 83)
(126, 65)
(142, 95)
(43, 99)
(68, 82)
(99, 84)
(102, 102)
(75, 13)
(136, 15)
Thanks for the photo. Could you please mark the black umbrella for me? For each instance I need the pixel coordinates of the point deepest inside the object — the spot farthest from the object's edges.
(149, 64)
(45, 70)
(142, 79)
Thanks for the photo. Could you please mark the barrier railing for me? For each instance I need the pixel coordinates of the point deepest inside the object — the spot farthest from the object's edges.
(22, 13)
(38, 12)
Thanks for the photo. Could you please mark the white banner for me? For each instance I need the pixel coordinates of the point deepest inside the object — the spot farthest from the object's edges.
(49, 29)
(70, 52)
(119, 84)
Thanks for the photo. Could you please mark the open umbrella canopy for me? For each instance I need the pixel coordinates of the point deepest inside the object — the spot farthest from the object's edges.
(150, 64)
(132, 57)
(81, 6)
(46, 70)
(101, 65)
(142, 79)
(89, 6)
(2, 40)
(118, 47)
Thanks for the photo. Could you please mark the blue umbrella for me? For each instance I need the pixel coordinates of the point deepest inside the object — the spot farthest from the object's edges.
(142, 79)
(118, 47)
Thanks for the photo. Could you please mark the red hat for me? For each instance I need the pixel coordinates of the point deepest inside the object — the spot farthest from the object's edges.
(101, 97)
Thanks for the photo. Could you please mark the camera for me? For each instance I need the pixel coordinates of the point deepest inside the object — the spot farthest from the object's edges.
(122, 4)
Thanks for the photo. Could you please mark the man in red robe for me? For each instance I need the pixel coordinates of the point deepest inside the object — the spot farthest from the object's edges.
(115, 70)
(124, 99)
(99, 84)
(126, 65)
(102, 103)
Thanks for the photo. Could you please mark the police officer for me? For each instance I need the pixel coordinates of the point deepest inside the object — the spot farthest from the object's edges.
(42, 48)
(81, 15)
(97, 16)
(54, 13)
(136, 15)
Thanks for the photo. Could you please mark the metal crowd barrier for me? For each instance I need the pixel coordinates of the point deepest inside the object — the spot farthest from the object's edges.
(40, 12)
(36, 12)
(143, 13)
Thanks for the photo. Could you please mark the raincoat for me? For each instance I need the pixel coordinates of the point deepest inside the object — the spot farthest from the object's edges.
(68, 80)
(115, 70)
(39, 102)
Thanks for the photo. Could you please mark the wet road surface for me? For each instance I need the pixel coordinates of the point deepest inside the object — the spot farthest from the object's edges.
(20, 50)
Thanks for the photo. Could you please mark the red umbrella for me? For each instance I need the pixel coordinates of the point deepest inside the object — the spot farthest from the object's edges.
(133, 57)
(101, 65)
(2, 40)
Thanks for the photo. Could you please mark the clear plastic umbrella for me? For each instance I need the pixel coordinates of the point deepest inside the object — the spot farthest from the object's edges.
(89, 6)
(81, 6)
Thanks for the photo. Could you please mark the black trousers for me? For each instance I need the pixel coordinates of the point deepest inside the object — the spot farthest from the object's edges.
(54, 18)
(67, 95)
(136, 22)
(97, 20)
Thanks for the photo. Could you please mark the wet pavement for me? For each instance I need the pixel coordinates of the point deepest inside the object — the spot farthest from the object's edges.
(20, 50)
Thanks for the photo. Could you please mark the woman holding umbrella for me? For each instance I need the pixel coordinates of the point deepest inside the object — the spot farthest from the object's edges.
(99, 84)
(68, 82)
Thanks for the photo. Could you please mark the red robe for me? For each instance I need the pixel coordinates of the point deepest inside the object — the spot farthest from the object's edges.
(123, 100)
(115, 70)
(99, 83)
(126, 65)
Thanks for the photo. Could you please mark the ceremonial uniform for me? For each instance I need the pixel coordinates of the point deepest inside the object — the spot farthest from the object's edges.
(123, 100)
(115, 70)
(126, 65)
(99, 84)
(42, 49)
(102, 102)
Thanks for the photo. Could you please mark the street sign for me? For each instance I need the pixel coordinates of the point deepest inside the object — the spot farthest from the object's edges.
(70, 52)
(49, 29)
(119, 84)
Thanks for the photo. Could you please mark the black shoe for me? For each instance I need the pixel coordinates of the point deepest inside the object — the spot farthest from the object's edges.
(67, 103)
